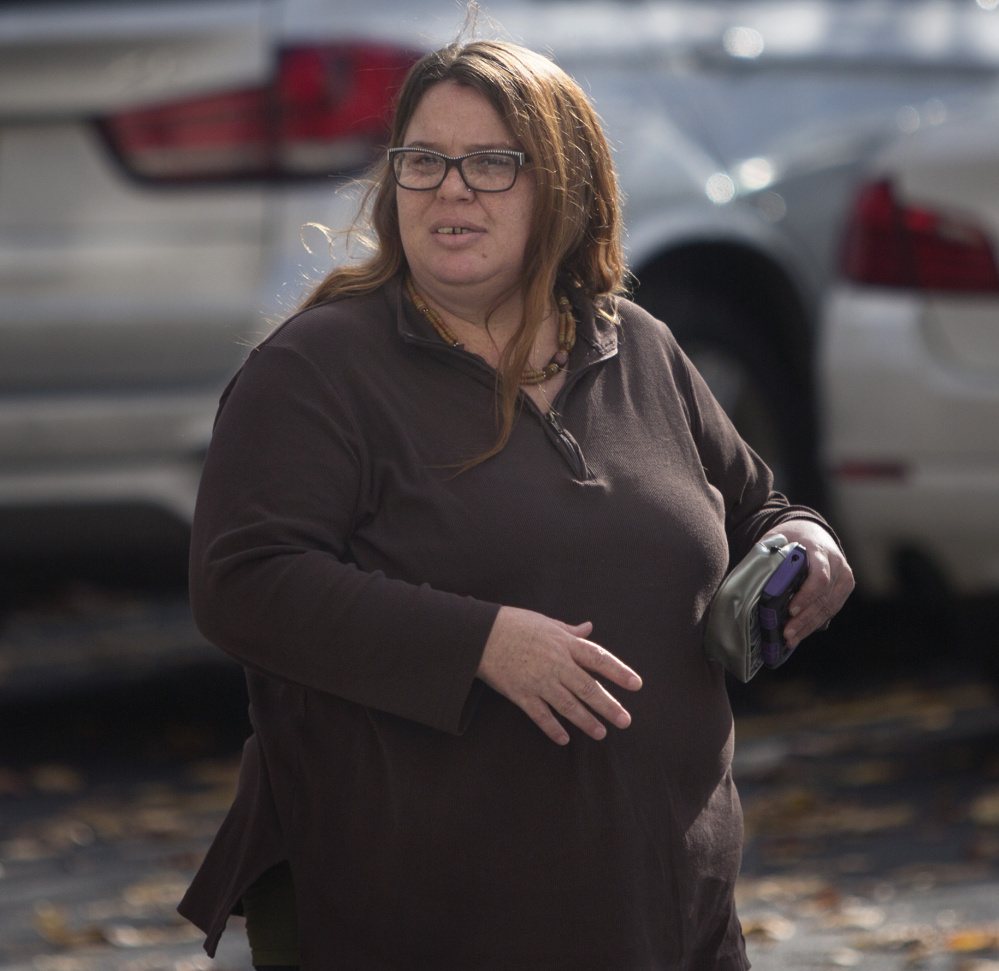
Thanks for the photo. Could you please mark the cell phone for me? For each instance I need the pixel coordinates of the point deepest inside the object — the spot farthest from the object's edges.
(775, 602)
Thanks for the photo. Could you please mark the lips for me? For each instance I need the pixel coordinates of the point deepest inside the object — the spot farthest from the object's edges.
(456, 228)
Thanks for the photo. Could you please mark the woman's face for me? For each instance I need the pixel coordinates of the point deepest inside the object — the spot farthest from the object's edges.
(456, 240)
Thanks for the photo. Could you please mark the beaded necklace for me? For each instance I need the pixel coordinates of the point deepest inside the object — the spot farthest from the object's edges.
(531, 375)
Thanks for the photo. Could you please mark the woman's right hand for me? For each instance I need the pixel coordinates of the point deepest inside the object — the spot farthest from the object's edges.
(543, 666)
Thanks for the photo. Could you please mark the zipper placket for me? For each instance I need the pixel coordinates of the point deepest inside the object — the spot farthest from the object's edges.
(552, 420)
(567, 446)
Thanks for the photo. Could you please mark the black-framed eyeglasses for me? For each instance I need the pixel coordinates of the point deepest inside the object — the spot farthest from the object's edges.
(420, 169)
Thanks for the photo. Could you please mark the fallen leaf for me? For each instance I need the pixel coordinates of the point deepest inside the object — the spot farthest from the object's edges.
(62, 962)
(984, 810)
(845, 957)
(806, 813)
(151, 936)
(189, 861)
(214, 801)
(161, 822)
(52, 925)
(101, 910)
(822, 902)
(872, 772)
(926, 876)
(900, 707)
(770, 928)
(781, 889)
(862, 819)
(24, 848)
(974, 939)
(985, 846)
(160, 962)
(913, 938)
(196, 963)
(62, 834)
(215, 773)
(854, 917)
(935, 718)
(109, 823)
(162, 891)
(56, 780)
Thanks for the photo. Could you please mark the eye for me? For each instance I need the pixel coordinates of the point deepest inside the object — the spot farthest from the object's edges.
(422, 160)
(495, 161)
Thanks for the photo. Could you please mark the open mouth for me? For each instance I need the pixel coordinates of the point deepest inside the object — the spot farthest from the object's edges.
(453, 230)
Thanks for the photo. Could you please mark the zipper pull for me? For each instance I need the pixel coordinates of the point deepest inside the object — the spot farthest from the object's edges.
(567, 444)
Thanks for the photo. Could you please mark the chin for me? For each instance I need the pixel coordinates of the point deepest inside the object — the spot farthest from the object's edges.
(451, 277)
(474, 275)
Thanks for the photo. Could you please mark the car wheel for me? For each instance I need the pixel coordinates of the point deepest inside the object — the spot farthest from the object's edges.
(749, 376)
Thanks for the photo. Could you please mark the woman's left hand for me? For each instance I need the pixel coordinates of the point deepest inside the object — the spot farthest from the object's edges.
(829, 583)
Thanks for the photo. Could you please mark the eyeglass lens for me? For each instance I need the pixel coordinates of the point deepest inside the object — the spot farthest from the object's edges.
(487, 171)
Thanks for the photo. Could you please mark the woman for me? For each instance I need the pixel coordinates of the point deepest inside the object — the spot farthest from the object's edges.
(454, 511)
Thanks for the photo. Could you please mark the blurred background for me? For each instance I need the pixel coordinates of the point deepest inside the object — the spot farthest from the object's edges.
(812, 203)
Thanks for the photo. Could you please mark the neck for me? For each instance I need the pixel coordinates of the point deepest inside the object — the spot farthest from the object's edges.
(497, 313)
(555, 345)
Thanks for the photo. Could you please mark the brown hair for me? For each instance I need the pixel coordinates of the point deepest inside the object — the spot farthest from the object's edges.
(574, 239)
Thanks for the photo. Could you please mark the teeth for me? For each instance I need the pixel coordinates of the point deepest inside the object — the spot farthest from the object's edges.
(453, 230)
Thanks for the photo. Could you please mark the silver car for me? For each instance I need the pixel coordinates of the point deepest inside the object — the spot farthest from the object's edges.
(909, 359)
(172, 174)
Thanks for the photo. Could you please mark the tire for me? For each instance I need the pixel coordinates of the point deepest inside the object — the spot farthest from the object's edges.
(751, 378)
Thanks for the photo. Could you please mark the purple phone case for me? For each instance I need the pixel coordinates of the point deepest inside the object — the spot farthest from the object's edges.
(774, 602)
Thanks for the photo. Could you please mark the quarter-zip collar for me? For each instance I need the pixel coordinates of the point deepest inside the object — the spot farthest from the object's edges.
(596, 335)
(596, 341)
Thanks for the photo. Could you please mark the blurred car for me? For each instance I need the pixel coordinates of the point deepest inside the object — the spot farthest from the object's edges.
(909, 361)
(167, 166)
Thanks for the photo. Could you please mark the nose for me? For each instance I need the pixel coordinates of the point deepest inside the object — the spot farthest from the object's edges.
(453, 186)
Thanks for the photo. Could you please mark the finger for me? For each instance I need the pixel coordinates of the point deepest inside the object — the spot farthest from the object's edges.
(591, 693)
(570, 707)
(578, 630)
(813, 599)
(802, 627)
(595, 658)
(818, 612)
(831, 581)
(542, 716)
(817, 584)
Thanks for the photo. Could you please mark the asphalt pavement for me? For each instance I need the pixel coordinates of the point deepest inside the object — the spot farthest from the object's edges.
(870, 790)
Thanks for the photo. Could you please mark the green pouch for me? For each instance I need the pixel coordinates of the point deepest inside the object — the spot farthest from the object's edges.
(732, 634)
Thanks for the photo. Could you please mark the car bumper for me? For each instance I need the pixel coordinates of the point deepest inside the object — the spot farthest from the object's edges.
(105, 450)
(910, 440)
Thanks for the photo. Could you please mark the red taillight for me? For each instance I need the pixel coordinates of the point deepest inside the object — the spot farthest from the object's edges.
(326, 111)
(892, 245)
